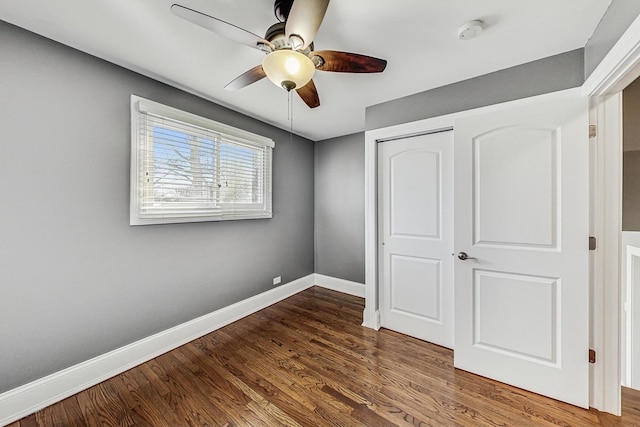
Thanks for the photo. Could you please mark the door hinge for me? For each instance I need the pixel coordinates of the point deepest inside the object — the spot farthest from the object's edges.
(592, 356)
(592, 131)
(592, 243)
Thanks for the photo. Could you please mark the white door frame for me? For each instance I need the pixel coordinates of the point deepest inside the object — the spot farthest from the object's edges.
(371, 316)
(620, 67)
(617, 70)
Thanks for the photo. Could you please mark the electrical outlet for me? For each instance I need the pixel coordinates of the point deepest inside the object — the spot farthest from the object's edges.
(277, 280)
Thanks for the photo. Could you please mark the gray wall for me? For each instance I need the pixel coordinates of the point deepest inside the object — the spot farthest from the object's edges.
(614, 23)
(339, 207)
(550, 74)
(76, 280)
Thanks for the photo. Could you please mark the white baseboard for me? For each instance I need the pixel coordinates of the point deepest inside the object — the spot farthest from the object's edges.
(29, 398)
(340, 285)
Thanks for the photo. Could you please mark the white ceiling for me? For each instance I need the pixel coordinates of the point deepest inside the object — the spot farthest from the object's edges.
(417, 37)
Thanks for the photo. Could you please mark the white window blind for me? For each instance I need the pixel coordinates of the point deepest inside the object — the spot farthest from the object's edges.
(186, 168)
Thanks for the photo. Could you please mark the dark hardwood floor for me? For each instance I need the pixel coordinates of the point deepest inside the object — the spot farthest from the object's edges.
(307, 361)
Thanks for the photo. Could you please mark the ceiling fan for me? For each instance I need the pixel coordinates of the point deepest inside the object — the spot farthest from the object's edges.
(290, 60)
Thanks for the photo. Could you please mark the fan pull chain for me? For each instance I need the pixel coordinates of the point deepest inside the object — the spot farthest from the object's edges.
(290, 108)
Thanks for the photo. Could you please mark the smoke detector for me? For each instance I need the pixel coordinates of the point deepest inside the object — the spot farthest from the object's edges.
(470, 30)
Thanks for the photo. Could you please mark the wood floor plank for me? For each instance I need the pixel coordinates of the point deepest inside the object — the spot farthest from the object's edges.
(182, 394)
(139, 410)
(251, 341)
(206, 386)
(249, 374)
(526, 411)
(270, 384)
(307, 361)
(100, 406)
(231, 400)
(341, 357)
(148, 391)
(287, 360)
(316, 361)
(73, 411)
(53, 415)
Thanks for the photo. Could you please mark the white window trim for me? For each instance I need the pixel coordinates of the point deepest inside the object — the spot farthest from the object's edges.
(139, 104)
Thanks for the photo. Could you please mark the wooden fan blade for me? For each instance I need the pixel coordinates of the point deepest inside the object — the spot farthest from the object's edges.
(304, 20)
(245, 79)
(345, 62)
(309, 94)
(219, 27)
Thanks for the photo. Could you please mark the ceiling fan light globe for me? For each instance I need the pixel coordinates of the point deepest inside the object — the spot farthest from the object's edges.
(288, 66)
(292, 65)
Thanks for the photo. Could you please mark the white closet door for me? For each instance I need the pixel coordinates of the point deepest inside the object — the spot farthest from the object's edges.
(416, 236)
(521, 209)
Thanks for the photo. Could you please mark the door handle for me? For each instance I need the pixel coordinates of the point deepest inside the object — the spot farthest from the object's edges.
(463, 256)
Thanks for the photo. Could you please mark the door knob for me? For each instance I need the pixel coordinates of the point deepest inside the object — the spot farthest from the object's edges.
(463, 256)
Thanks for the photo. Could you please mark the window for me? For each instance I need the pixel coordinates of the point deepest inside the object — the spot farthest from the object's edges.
(185, 168)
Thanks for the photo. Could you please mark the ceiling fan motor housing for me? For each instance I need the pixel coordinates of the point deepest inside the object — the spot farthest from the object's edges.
(275, 33)
(276, 36)
(281, 9)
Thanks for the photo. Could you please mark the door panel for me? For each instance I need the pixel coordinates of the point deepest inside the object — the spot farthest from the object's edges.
(522, 206)
(417, 284)
(416, 236)
(505, 162)
(415, 194)
(505, 305)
